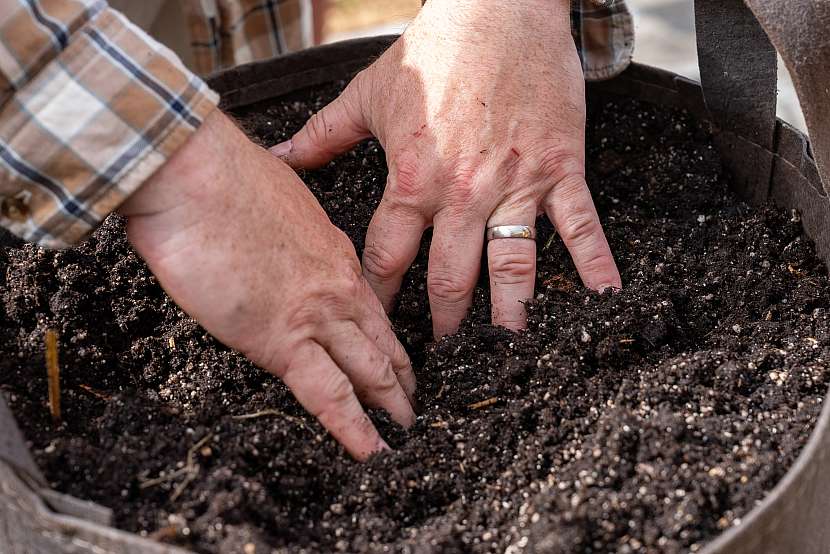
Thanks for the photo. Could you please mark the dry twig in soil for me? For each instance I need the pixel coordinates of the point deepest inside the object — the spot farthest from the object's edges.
(190, 470)
(54, 373)
(276, 413)
(95, 392)
(483, 403)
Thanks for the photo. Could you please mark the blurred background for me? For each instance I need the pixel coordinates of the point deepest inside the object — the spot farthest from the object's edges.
(664, 36)
(345, 19)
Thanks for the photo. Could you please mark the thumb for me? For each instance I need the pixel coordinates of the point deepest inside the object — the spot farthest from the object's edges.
(330, 132)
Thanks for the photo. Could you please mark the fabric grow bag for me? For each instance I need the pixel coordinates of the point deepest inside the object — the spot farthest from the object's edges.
(767, 158)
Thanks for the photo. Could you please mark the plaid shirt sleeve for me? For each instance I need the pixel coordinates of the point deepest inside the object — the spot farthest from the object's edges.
(225, 33)
(604, 34)
(90, 107)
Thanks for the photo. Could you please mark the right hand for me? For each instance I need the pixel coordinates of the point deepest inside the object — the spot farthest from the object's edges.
(261, 267)
(480, 108)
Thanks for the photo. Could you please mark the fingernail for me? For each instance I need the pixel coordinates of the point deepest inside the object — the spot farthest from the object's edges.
(282, 149)
(383, 446)
(603, 288)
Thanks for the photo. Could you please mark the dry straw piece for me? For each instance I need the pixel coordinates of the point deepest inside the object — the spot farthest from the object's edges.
(54, 373)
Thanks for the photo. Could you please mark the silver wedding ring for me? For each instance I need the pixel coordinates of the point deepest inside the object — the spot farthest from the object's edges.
(511, 232)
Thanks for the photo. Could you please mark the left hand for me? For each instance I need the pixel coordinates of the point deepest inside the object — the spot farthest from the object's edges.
(480, 108)
(240, 244)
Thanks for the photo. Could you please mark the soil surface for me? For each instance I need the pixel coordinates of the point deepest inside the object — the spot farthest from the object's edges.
(649, 420)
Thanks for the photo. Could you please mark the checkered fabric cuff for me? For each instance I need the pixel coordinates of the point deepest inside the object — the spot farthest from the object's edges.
(225, 33)
(604, 34)
(92, 113)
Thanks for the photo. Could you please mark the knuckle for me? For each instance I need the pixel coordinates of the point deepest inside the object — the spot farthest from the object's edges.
(447, 288)
(330, 301)
(463, 185)
(352, 288)
(511, 267)
(383, 379)
(378, 261)
(407, 183)
(559, 162)
(335, 391)
(304, 319)
(578, 226)
(595, 261)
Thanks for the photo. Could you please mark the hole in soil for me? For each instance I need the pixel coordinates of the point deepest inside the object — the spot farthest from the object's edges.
(653, 418)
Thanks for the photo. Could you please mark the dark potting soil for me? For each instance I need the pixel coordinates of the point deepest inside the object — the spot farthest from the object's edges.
(649, 420)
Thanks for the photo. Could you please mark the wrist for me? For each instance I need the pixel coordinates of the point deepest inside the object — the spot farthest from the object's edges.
(171, 211)
(192, 168)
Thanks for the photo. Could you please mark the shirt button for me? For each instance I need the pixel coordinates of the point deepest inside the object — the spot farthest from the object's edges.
(15, 209)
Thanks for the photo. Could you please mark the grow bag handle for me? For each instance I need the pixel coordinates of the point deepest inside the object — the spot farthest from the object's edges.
(736, 43)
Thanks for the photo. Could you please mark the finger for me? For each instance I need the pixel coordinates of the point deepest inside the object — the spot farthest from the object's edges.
(369, 370)
(454, 264)
(330, 132)
(392, 242)
(512, 267)
(570, 208)
(379, 330)
(326, 392)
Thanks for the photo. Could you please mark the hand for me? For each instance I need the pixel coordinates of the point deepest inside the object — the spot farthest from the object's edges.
(480, 108)
(242, 246)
